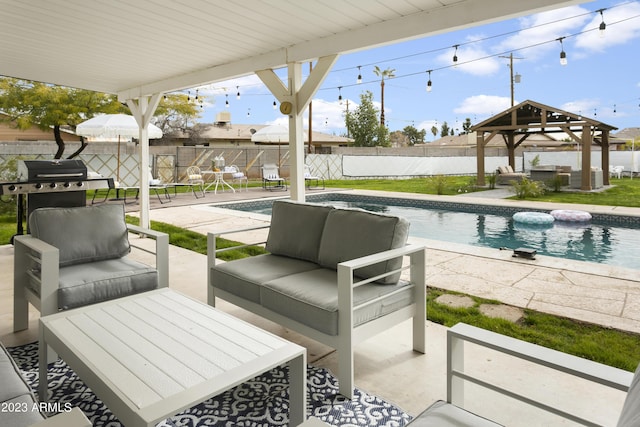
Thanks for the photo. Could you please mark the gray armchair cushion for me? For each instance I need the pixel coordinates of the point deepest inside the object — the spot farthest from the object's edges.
(296, 229)
(84, 284)
(443, 414)
(354, 233)
(83, 234)
(630, 416)
(16, 391)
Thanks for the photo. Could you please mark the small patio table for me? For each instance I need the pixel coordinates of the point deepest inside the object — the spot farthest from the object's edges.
(152, 355)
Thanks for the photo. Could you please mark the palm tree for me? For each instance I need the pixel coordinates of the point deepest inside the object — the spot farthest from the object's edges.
(389, 73)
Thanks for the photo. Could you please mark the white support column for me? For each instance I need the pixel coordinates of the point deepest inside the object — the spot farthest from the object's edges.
(296, 134)
(299, 95)
(142, 109)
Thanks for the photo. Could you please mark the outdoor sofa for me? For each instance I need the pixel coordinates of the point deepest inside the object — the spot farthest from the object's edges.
(331, 274)
(506, 175)
(19, 405)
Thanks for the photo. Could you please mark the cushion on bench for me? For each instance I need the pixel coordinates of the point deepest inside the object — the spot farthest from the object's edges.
(243, 277)
(443, 414)
(353, 233)
(99, 232)
(316, 303)
(296, 229)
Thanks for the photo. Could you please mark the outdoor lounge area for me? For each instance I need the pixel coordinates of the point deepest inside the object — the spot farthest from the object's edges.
(385, 365)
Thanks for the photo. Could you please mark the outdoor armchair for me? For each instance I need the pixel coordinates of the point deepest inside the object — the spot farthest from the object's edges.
(78, 256)
(271, 179)
(463, 345)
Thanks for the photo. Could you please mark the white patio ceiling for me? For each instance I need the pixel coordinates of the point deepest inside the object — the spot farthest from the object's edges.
(140, 47)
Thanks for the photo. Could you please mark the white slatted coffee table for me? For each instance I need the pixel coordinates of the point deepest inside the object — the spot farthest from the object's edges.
(150, 356)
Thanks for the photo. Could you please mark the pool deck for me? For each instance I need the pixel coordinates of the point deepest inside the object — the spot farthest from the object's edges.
(385, 365)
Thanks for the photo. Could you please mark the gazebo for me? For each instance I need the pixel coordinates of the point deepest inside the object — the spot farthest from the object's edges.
(519, 122)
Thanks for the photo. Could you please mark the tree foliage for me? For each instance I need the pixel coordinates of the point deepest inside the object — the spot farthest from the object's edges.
(363, 126)
(26, 103)
(175, 111)
(444, 129)
(414, 135)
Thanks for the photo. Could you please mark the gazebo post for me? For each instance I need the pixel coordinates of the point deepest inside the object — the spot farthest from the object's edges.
(586, 158)
(605, 157)
(480, 158)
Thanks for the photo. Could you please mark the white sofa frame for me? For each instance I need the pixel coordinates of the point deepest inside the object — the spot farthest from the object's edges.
(462, 333)
(28, 249)
(344, 343)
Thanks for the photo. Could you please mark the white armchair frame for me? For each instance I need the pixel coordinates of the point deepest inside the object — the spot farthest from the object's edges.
(589, 370)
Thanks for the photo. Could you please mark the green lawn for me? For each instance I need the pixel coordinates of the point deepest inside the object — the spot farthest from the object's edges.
(605, 345)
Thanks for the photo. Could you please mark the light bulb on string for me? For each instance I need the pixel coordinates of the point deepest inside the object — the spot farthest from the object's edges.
(340, 94)
(359, 80)
(226, 102)
(238, 93)
(603, 26)
(563, 54)
(455, 55)
(429, 85)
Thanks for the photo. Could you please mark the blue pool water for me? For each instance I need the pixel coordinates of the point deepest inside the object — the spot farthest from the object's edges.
(606, 239)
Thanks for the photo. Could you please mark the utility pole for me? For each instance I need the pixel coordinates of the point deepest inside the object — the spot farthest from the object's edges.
(514, 79)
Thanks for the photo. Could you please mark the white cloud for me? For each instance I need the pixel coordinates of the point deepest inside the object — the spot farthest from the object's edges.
(619, 29)
(483, 105)
(539, 32)
(472, 59)
(586, 107)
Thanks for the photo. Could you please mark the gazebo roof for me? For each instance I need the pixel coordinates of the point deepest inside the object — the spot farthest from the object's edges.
(534, 117)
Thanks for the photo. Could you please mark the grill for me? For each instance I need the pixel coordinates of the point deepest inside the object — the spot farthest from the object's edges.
(51, 183)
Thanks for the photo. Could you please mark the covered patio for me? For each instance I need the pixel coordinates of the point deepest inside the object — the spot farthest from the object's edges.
(528, 118)
(145, 49)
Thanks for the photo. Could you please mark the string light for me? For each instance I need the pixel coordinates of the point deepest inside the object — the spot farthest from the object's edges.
(602, 26)
(197, 94)
(188, 95)
(226, 102)
(238, 94)
(274, 104)
(455, 55)
(429, 82)
(359, 80)
(563, 54)
(340, 94)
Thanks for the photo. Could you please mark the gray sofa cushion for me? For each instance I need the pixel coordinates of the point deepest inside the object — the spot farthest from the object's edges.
(354, 233)
(15, 390)
(443, 414)
(83, 234)
(296, 229)
(630, 416)
(243, 277)
(89, 283)
(316, 303)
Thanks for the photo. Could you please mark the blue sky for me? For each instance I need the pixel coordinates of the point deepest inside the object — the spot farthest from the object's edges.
(601, 79)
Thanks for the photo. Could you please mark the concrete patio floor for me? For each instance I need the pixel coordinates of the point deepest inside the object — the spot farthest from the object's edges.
(385, 365)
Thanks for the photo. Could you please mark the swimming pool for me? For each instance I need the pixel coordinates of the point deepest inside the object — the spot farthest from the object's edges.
(606, 239)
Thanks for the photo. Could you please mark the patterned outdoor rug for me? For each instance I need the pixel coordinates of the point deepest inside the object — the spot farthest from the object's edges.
(263, 401)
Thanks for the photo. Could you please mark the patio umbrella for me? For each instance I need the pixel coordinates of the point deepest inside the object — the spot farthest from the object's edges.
(115, 125)
(272, 134)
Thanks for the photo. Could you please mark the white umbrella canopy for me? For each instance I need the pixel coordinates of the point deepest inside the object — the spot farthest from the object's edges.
(272, 134)
(115, 126)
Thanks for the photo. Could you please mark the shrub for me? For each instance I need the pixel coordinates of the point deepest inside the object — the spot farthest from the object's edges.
(527, 188)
